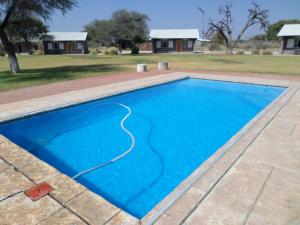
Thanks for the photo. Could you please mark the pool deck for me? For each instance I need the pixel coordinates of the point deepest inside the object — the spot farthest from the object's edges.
(253, 179)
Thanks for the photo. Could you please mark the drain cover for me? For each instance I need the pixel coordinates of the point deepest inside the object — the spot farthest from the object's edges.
(37, 192)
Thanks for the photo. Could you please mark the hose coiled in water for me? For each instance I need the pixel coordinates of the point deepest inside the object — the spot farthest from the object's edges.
(123, 154)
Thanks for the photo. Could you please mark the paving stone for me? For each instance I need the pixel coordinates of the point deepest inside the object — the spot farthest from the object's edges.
(2, 139)
(295, 134)
(6, 146)
(279, 202)
(3, 165)
(182, 207)
(39, 171)
(62, 217)
(232, 198)
(290, 112)
(92, 208)
(19, 157)
(12, 182)
(123, 218)
(282, 154)
(20, 210)
(65, 188)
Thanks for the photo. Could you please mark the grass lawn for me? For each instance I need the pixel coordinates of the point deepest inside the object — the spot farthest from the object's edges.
(37, 70)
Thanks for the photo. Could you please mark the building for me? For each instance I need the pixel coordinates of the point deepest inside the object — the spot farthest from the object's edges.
(173, 40)
(65, 43)
(55, 43)
(290, 39)
(32, 46)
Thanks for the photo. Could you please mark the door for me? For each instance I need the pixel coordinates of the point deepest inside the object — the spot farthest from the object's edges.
(70, 47)
(178, 45)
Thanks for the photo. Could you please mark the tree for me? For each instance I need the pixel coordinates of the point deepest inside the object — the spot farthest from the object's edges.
(258, 37)
(100, 33)
(25, 29)
(129, 29)
(224, 26)
(274, 29)
(124, 30)
(37, 9)
(216, 41)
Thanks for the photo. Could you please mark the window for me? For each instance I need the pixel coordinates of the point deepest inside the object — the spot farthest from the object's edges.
(187, 43)
(164, 44)
(171, 44)
(158, 44)
(56, 45)
(50, 46)
(184, 43)
(298, 45)
(290, 43)
(35, 47)
(79, 45)
(61, 46)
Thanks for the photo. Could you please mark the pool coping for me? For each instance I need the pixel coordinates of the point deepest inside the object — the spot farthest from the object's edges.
(210, 170)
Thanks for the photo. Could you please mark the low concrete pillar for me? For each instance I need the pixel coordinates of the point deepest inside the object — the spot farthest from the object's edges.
(141, 68)
(163, 66)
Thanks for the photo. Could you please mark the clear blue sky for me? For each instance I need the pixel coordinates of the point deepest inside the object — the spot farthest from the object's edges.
(171, 13)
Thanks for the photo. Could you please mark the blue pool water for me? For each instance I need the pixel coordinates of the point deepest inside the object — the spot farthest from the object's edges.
(177, 127)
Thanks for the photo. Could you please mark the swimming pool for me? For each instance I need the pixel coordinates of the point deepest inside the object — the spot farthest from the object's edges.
(177, 126)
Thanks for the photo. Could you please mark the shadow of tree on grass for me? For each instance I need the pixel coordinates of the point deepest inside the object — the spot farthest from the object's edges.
(226, 61)
(58, 73)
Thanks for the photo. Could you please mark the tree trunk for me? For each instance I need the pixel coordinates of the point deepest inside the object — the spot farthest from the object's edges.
(120, 48)
(9, 48)
(28, 46)
(241, 33)
(229, 49)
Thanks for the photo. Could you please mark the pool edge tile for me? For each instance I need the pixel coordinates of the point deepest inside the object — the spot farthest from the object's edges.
(92, 208)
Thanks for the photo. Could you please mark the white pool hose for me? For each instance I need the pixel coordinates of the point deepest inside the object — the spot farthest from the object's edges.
(123, 154)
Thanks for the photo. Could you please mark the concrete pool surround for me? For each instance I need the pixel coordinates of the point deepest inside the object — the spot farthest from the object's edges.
(71, 202)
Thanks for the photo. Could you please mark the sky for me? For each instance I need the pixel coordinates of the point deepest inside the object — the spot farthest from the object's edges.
(172, 13)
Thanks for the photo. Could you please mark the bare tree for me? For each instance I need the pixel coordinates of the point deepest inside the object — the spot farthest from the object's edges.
(224, 26)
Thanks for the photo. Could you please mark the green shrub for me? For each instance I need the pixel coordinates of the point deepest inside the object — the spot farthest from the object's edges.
(99, 50)
(267, 52)
(111, 51)
(2, 51)
(135, 50)
(106, 51)
(93, 51)
(38, 52)
(256, 52)
(240, 53)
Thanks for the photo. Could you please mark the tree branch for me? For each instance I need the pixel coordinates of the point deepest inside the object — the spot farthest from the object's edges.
(9, 13)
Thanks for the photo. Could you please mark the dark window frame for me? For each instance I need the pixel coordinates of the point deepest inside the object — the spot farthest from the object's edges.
(35, 47)
(185, 43)
(56, 45)
(164, 43)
